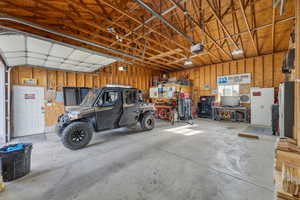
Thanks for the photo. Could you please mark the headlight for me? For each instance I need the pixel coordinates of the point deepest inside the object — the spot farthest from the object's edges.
(73, 115)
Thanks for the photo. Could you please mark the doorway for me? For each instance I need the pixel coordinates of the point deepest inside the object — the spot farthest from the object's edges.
(28, 110)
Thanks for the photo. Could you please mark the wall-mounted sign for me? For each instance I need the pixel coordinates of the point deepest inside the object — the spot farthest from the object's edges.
(29, 96)
(29, 81)
(234, 79)
(256, 94)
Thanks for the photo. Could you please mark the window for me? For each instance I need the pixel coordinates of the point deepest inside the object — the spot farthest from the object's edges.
(229, 90)
(130, 96)
(109, 98)
(73, 96)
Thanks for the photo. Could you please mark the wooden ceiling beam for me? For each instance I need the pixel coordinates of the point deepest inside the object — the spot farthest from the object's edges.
(99, 27)
(61, 39)
(141, 23)
(152, 18)
(273, 28)
(254, 24)
(204, 31)
(247, 25)
(121, 26)
(221, 23)
(236, 23)
(162, 65)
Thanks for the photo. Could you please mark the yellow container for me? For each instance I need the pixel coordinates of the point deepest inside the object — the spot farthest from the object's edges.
(2, 186)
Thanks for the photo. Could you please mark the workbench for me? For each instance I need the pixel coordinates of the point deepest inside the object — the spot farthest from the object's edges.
(240, 114)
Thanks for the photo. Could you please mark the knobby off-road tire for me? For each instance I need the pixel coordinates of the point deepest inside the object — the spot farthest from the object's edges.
(148, 122)
(77, 135)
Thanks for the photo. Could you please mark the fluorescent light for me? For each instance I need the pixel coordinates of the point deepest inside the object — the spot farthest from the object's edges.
(188, 62)
(237, 52)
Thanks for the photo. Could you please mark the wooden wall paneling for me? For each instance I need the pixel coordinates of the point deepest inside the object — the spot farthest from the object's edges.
(105, 76)
(24, 72)
(89, 81)
(129, 74)
(268, 71)
(250, 69)
(144, 78)
(278, 75)
(207, 80)
(147, 81)
(213, 77)
(65, 79)
(60, 80)
(40, 75)
(241, 66)
(233, 68)
(133, 77)
(139, 77)
(108, 73)
(101, 78)
(125, 78)
(51, 79)
(15, 76)
(71, 79)
(80, 80)
(258, 72)
(95, 81)
(114, 74)
(119, 74)
(219, 70)
(197, 80)
(226, 69)
(297, 75)
(201, 78)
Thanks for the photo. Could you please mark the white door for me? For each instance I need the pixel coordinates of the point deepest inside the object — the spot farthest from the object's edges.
(28, 110)
(261, 106)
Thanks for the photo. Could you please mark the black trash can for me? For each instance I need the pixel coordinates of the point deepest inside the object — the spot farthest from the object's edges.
(15, 159)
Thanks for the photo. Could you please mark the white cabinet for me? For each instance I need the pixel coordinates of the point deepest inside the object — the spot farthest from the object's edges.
(261, 106)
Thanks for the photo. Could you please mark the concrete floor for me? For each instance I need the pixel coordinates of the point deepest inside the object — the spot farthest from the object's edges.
(205, 161)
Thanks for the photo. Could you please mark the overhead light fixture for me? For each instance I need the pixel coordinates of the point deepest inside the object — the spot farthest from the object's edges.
(237, 52)
(123, 68)
(188, 62)
(119, 39)
(111, 29)
(197, 48)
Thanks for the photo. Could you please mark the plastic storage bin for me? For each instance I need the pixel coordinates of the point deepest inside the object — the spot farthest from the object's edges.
(15, 159)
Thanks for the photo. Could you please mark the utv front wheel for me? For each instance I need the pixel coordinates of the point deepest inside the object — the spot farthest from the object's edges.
(77, 135)
(148, 122)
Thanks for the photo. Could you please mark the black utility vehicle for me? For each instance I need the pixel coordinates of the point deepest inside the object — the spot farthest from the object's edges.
(102, 109)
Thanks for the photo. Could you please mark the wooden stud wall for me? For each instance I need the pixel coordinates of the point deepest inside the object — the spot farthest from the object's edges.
(265, 72)
(137, 77)
(297, 75)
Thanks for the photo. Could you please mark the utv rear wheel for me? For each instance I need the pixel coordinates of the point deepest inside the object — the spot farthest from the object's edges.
(148, 122)
(77, 135)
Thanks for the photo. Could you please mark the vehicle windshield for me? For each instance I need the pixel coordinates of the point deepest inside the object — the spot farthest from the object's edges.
(90, 98)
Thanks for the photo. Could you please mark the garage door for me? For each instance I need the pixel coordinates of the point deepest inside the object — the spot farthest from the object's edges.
(28, 110)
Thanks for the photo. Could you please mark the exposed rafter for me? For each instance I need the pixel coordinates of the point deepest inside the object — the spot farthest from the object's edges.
(205, 32)
(248, 27)
(221, 23)
(125, 26)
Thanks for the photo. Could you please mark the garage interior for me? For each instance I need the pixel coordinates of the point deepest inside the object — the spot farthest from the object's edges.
(221, 76)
